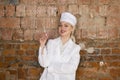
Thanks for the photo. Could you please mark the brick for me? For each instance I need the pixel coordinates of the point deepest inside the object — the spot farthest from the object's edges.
(82, 52)
(113, 45)
(113, 10)
(1, 58)
(99, 22)
(115, 2)
(25, 46)
(13, 2)
(48, 23)
(52, 34)
(86, 22)
(61, 9)
(105, 51)
(31, 10)
(7, 46)
(78, 34)
(62, 1)
(92, 33)
(115, 73)
(113, 21)
(51, 1)
(30, 52)
(84, 10)
(92, 65)
(102, 33)
(20, 52)
(41, 11)
(51, 11)
(28, 23)
(84, 2)
(18, 35)
(84, 33)
(2, 64)
(10, 59)
(48, 1)
(113, 33)
(22, 73)
(94, 58)
(104, 1)
(105, 78)
(37, 35)
(13, 72)
(9, 22)
(113, 64)
(112, 58)
(29, 58)
(115, 51)
(94, 10)
(30, 2)
(40, 22)
(28, 34)
(1, 1)
(10, 10)
(1, 10)
(34, 72)
(73, 9)
(6, 34)
(71, 1)
(2, 76)
(20, 10)
(9, 52)
(91, 74)
(103, 11)
(80, 72)
(34, 46)
(102, 45)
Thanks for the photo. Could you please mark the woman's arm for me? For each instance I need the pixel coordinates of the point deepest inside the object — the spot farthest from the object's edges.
(44, 55)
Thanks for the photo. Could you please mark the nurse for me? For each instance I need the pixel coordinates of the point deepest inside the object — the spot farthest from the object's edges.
(60, 56)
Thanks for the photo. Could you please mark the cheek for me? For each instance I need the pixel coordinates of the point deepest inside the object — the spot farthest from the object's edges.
(70, 30)
(59, 29)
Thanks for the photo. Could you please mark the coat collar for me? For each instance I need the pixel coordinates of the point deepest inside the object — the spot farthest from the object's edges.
(67, 46)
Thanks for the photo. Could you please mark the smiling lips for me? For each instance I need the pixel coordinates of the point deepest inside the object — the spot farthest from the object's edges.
(62, 31)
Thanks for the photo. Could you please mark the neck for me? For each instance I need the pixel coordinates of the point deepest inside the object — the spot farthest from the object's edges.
(65, 39)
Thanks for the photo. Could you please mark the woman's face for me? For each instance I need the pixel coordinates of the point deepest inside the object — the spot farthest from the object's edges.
(65, 29)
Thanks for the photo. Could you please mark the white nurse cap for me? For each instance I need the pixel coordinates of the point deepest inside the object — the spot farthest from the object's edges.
(68, 17)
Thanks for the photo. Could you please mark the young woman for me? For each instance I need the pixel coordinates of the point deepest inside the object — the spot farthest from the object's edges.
(60, 56)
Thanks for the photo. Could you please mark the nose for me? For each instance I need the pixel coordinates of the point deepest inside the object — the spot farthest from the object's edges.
(62, 27)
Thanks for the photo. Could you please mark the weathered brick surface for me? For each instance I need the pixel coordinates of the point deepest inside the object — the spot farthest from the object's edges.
(9, 22)
(21, 26)
(10, 10)
(20, 10)
(1, 10)
(31, 10)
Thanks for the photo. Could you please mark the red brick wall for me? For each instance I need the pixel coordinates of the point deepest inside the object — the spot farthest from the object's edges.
(98, 26)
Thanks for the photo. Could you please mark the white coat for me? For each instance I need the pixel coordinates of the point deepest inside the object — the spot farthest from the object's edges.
(59, 64)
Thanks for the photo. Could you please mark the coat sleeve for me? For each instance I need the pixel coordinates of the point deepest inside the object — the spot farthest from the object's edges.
(44, 59)
(69, 67)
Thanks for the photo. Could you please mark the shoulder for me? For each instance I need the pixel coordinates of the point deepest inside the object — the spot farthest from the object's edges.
(76, 46)
(50, 41)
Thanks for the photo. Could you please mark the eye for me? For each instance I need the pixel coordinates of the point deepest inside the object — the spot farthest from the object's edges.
(60, 25)
(66, 25)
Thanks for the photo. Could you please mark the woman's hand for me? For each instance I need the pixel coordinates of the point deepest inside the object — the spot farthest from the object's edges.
(43, 39)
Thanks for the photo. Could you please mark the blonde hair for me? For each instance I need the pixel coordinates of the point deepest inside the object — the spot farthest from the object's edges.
(72, 34)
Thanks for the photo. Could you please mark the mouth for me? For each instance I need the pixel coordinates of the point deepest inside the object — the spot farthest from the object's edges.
(63, 31)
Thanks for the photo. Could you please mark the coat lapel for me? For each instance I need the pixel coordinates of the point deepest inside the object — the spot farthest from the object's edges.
(67, 53)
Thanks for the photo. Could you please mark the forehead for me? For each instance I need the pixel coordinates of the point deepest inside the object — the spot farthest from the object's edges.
(65, 23)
